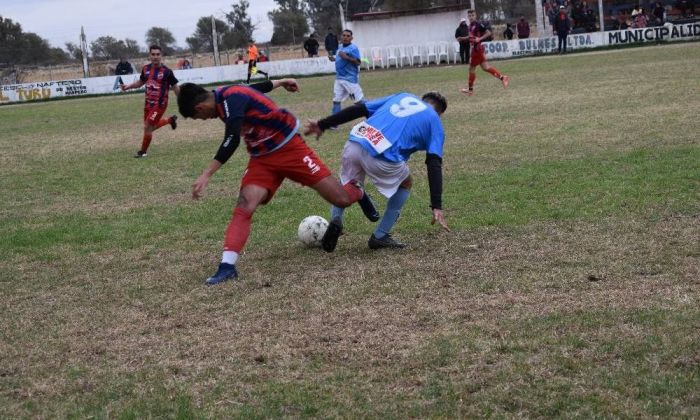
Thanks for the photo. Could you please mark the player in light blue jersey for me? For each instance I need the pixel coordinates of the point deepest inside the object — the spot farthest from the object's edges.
(347, 72)
(379, 148)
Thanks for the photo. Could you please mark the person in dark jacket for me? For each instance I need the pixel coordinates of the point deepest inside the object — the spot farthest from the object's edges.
(523, 28)
(462, 36)
(124, 67)
(331, 43)
(311, 46)
(562, 27)
(508, 33)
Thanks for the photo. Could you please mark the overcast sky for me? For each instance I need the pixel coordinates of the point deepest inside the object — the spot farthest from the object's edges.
(59, 21)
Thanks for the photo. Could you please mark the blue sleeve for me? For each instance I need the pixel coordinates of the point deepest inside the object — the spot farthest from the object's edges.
(437, 137)
(353, 52)
(375, 104)
(236, 105)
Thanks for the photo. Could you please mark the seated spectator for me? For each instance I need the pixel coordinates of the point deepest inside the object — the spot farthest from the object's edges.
(508, 33)
(240, 59)
(263, 57)
(186, 65)
(523, 28)
(640, 19)
(124, 67)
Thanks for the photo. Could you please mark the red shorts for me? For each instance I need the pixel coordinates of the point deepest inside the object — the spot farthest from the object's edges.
(295, 160)
(153, 114)
(477, 57)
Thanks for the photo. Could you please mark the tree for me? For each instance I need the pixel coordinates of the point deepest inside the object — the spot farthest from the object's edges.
(322, 14)
(132, 48)
(10, 41)
(289, 22)
(202, 36)
(241, 24)
(161, 37)
(109, 48)
(74, 51)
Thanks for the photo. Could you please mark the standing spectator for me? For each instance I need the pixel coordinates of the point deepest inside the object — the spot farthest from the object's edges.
(640, 20)
(311, 46)
(240, 59)
(523, 28)
(462, 36)
(158, 80)
(508, 33)
(687, 7)
(552, 15)
(252, 60)
(331, 43)
(658, 13)
(124, 67)
(562, 27)
(347, 73)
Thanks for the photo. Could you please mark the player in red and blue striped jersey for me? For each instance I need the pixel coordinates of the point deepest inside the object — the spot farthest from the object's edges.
(480, 31)
(158, 79)
(277, 151)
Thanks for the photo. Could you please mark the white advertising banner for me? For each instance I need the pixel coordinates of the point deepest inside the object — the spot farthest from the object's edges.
(532, 46)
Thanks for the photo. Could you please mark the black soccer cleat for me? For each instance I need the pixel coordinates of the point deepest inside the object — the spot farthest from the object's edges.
(173, 122)
(385, 241)
(330, 238)
(140, 154)
(368, 208)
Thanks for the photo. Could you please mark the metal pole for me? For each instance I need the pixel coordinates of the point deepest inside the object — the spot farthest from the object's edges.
(83, 48)
(601, 16)
(215, 40)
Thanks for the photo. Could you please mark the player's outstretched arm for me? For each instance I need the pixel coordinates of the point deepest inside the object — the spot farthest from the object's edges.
(348, 114)
(135, 85)
(289, 85)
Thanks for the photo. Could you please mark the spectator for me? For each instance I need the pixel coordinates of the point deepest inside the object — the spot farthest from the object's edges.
(523, 28)
(331, 43)
(687, 7)
(124, 67)
(562, 27)
(240, 59)
(552, 15)
(590, 21)
(311, 46)
(462, 36)
(658, 14)
(640, 20)
(508, 33)
(263, 57)
(186, 65)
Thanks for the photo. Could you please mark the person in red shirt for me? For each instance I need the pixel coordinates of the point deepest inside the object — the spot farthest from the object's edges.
(277, 151)
(479, 31)
(158, 79)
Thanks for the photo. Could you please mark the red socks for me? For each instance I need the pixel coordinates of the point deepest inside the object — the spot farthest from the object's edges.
(494, 72)
(238, 230)
(162, 122)
(472, 78)
(146, 142)
(353, 191)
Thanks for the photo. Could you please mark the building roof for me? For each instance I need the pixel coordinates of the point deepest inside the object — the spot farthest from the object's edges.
(412, 12)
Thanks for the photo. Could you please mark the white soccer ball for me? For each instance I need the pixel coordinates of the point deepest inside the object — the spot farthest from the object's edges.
(311, 230)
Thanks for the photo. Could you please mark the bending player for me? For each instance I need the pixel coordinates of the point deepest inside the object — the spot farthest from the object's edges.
(396, 127)
(479, 31)
(276, 149)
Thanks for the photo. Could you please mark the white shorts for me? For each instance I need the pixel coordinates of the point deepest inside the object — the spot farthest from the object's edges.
(358, 163)
(342, 90)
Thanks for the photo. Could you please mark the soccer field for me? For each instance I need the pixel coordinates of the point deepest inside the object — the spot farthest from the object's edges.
(569, 285)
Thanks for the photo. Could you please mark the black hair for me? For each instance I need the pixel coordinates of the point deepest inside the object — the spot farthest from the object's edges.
(154, 47)
(435, 97)
(347, 30)
(190, 95)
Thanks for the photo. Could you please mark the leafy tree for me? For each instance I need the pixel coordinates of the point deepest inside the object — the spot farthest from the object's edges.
(109, 48)
(201, 39)
(289, 22)
(11, 39)
(132, 48)
(322, 14)
(241, 24)
(74, 51)
(161, 37)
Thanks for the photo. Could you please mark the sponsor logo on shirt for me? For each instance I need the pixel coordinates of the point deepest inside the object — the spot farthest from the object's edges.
(374, 136)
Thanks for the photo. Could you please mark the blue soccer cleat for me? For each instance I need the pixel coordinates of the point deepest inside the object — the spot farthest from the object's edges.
(224, 273)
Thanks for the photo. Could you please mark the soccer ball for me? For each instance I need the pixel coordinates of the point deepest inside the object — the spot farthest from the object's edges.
(311, 230)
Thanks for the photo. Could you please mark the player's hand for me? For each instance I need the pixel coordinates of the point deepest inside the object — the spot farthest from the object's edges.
(290, 85)
(312, 127)
(199, 186)
(122, 87)
(440, 218)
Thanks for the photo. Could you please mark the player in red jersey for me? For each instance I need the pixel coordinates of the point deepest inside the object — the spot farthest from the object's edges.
(158, 79)
(277, 151)
(479, 31)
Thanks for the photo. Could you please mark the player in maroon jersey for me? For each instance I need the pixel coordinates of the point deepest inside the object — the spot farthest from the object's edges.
(158, 79)
(479, 31)
(277, 151)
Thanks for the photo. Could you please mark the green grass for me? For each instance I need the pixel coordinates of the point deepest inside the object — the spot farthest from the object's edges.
(568, 286)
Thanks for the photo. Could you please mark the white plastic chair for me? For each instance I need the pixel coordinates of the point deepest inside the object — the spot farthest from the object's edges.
(404, 56)
(392, 54)
(416, 52)
(430, 52)
(376, 56)
(443, 52)
(455, 53)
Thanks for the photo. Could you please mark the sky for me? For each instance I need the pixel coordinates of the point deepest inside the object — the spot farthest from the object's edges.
(59, 21)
